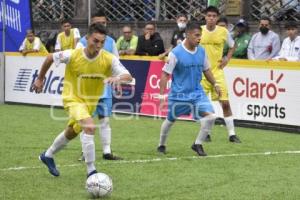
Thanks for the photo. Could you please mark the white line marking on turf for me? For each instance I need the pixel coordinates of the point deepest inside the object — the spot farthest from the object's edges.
(161, 159)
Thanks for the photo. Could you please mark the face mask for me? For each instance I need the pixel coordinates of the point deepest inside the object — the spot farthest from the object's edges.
(181, 25)
(264, 30)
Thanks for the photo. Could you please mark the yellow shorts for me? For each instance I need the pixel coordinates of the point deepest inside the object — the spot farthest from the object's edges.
(210, 90)
(77, 112)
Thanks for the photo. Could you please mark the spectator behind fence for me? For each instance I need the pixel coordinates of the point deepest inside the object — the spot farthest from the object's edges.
(127, 43)
(150, 44)
(32, 44)
(241, 39)
(290, 49)
(178, 35)
(265, 44)
(68, 38)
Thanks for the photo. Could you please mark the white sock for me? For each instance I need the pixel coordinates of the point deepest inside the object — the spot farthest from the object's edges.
(88, 149)
(230, 125)
(164, 131)
(105, 135)
(59, 143)
(206, 125)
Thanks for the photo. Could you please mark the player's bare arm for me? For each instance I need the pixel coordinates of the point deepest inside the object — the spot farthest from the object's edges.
(227, 58)
(210, 77)
(162, 85)
(38, 84)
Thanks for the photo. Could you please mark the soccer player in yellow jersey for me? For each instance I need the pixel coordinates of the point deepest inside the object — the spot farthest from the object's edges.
(213, 40)
(87, 70)
(68, 38)
(32, 44)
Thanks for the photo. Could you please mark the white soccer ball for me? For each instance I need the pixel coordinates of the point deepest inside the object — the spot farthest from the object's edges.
(99, 185)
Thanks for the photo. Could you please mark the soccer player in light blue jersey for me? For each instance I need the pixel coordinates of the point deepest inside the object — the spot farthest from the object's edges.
(104, 107)
(186, 63)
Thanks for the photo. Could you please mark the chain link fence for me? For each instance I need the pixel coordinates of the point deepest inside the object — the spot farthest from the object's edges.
(53, 10)
(145, 10)
(277, 10)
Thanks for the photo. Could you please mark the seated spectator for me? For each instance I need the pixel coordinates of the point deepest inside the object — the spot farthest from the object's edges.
(290, 49)
(178, 35)
(68, 38)
(241, 39)
(32, 44)
(150, 44)
(127, 43)
(265, 44)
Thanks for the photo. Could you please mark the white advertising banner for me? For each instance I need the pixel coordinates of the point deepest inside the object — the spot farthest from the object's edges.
(259, 91)
(21, 72)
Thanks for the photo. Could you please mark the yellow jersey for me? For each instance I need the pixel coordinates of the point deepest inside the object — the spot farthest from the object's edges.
(31, 46)
(84, 78)
(213, 42)
(66, 42)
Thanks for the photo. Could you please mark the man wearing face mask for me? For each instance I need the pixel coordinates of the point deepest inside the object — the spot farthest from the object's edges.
(178, 35)
(241, 39)
(265, 44)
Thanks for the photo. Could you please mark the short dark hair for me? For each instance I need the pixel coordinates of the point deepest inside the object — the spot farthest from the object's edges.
(223, 19)
(192, 25)
(291, 24)
(97, 28)
(212, 9)
(150, 23)
(264, 17)
(99, 13)
(65, 21)
(181, 15)
(30, 30)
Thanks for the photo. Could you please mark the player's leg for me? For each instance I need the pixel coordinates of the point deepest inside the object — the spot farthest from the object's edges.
(104, 111)
(204, 111)
(58, 144)
(227, 113)
(229, 121)
(208, 89)
(88, 144)
(175, 109)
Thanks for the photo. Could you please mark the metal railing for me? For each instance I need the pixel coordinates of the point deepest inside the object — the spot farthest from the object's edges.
(53, 10)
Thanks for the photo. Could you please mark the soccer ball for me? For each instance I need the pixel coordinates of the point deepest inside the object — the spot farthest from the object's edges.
(99, 185)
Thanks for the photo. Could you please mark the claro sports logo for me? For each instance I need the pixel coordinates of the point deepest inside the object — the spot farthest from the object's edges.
(53, 84)
(269, 90)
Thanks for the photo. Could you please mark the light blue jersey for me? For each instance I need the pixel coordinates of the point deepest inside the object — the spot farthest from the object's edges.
(186, 95)
(187, 73)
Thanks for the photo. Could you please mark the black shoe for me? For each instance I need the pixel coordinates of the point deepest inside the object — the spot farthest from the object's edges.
(110, 156)
(91, 173)
(234, 139)
(207, 139)
(198, 149)
(161, 149)
(81, 158)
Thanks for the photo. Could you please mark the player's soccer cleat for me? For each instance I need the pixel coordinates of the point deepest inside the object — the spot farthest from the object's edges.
(49, 162)
(234, 139)
(161, 149)
(81, 158)
(207, 139)
(198, 149)
(110, 156)
(91, 173)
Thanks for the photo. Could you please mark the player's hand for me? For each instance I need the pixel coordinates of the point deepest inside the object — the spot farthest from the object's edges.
(218, 90)
(38, 85)
(162, 99)
(223, 62)
(282, 59)
(24, 53)
(116, 83)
